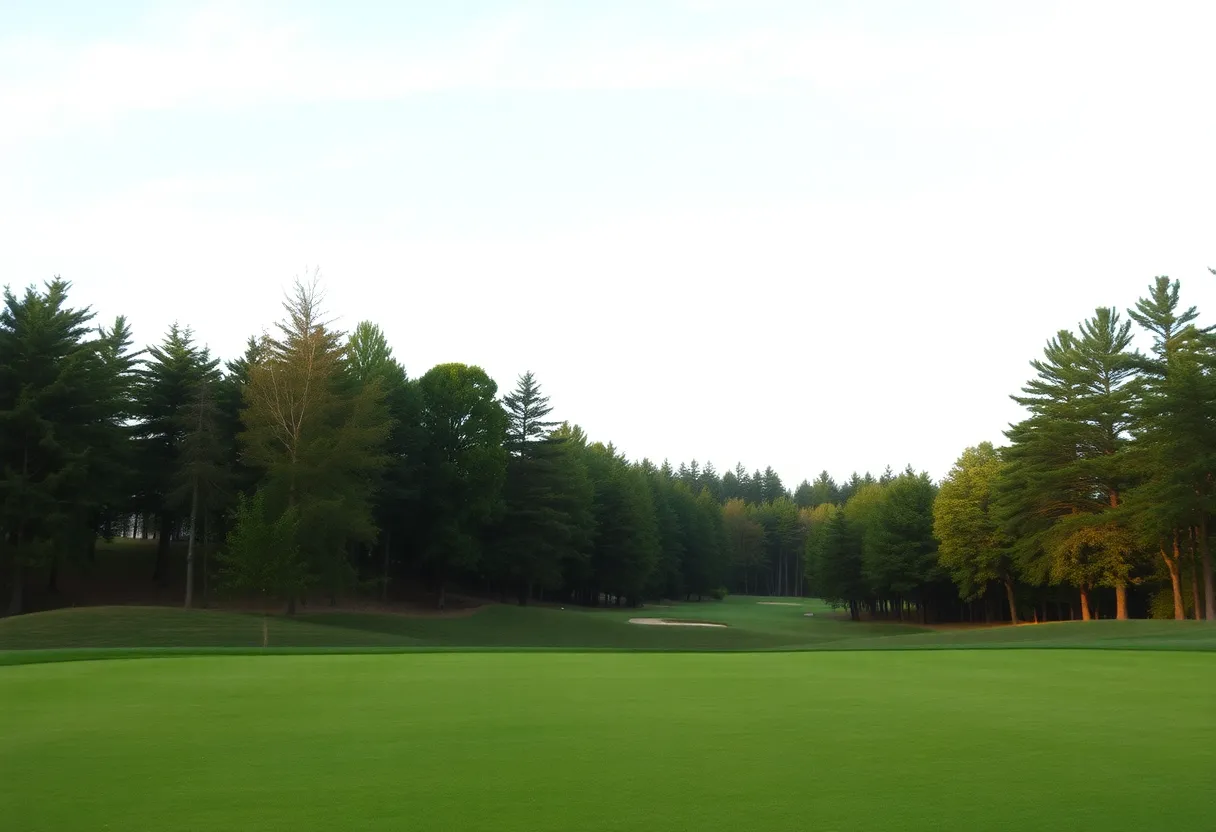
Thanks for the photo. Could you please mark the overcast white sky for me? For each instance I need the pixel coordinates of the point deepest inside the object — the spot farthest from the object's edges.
(811, 235)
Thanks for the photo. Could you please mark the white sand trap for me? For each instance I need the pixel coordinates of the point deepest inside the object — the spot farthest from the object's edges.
(779, 604)
(663, 622)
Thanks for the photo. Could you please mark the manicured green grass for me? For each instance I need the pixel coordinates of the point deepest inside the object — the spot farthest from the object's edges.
(751, 626)
(976, 740)
(85, 627)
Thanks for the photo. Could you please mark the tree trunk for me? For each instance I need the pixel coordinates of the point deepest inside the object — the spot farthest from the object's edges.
(16, 594)
(1121, 601)
(291, 604)
(1209, 584)
(206, 559)
(1013, 604)
(384, 575)
(1171, 563)
(1085, 611)
(190, 546)
(52, 580)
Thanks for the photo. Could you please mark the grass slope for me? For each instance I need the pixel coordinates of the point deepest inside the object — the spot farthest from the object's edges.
(752, 625)
(977, 740)
(171, 627)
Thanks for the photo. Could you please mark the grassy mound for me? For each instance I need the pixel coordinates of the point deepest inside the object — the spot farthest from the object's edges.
(750, 626)
(169, 627)
(863, 740)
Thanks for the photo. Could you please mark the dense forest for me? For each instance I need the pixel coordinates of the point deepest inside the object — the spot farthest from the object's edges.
(313, 468)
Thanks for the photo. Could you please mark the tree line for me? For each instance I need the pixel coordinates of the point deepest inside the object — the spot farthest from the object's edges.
(313, 466)
(1103, 493)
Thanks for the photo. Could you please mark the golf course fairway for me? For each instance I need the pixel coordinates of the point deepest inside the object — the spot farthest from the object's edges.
(915, 740)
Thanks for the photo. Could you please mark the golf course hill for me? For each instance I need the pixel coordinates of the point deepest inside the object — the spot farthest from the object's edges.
(737, 624)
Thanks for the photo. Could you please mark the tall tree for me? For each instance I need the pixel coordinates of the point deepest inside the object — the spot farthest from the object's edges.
(399, 485)
(771, 486)
(824, 490)
(972, 547)
(744, 541)
(547, 520)
(900, 551)
(464, 466)
(625, 549)
(1110, 394)
(57, 397)
(318, 437)
(203, 478)
(167, 385)
(1041, 482)
(1175, 454)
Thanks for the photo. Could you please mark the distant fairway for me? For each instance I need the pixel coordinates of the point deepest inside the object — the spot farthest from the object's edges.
(751, 626)
(976, 740)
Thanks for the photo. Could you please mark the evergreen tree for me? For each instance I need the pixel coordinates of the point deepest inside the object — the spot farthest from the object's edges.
(526, 410)
(1041, 482)
(1174, 453)
(837, 574)
(203, 478)
(626, 544)
(548, 511)
(825, 490)
(667, 580)
(262, 554)
(711, 482)
(771, 487)
(166, 387)
(972, 547)
(54, 394)
(732, 488)
(755, 491)
(317, 436)
(399, 485)
(465, 466)
(900, 551)
(744, 541)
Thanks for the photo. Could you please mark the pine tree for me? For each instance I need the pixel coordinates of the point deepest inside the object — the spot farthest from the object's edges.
(744, 540)
(625, 550)
(825, 490)
(546, 523)
(56, 392)
(166, 386)
(1173, 454)
(317, 436)
(837, 575)
(399, 484)
(771, 488)
(900, 552)
(526, 411)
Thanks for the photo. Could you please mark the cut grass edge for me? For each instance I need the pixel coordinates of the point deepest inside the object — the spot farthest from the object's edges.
(14, 658)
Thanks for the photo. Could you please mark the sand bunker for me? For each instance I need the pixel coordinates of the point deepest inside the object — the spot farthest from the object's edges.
(779, 604)
(667, 622)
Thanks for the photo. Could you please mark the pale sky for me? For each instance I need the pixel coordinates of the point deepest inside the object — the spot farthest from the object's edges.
(813, 235)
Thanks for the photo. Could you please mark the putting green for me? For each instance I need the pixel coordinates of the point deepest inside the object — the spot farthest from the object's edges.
(976, 740)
